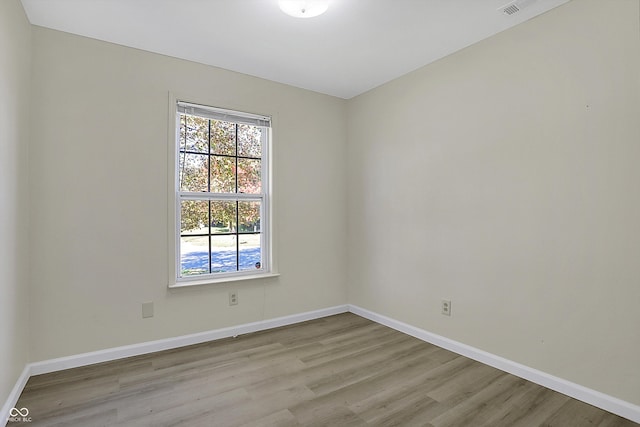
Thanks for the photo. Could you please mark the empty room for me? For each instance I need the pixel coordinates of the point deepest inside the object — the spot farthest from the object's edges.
(320, 213)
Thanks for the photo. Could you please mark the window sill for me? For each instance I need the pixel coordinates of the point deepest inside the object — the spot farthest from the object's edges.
(212, 281)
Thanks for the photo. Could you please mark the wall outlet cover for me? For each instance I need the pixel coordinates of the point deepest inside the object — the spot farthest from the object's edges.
(147, 309)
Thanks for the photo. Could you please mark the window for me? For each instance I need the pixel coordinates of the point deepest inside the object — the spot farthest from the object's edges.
(221, 193)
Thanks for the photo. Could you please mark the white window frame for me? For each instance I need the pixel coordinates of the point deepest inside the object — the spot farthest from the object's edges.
(176, 196)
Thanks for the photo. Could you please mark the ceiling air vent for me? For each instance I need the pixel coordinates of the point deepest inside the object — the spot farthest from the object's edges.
(515, 6)
(511, 9)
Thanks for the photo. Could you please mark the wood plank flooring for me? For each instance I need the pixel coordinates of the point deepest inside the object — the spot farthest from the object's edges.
(341, 370)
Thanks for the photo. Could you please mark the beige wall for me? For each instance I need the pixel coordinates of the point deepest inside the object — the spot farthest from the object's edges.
(99, 197)
(505, 178)
(15, 47)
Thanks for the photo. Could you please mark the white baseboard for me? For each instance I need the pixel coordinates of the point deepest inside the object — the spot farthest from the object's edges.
(595, 398)
(584, 394)
(15, 394)
(115, 353)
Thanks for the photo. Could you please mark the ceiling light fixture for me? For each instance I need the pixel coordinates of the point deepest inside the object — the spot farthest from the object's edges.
(303, 8)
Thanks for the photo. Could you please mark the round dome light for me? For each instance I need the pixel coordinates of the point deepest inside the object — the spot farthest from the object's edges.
(303, 8)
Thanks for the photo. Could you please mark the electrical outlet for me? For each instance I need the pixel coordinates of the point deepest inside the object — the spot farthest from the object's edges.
(233, 298)
(446, 307)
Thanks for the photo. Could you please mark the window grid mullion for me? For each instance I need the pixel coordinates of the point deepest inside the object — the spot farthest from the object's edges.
(220, 155)
(237, 208)
(220, 234)
(209, 190)
(237, 236)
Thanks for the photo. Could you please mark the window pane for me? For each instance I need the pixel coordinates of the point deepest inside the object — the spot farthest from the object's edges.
(249, 217)
(194, 134)
(194, 255)
(249, 176)
(223, 174)
(223, 217)
(250, 253)
(194, 217)
(249, 141)
(193, 172)
(223, 254)
(223, 138)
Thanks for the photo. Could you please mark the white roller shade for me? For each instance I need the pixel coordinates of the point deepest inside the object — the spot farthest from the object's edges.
(224, 115)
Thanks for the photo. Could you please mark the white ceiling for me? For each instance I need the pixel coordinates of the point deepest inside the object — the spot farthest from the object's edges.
(355, 46)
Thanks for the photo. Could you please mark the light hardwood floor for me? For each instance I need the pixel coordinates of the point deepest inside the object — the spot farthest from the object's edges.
(341, 370)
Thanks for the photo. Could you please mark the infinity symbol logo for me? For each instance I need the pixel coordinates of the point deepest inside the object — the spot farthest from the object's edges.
(15, 412)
